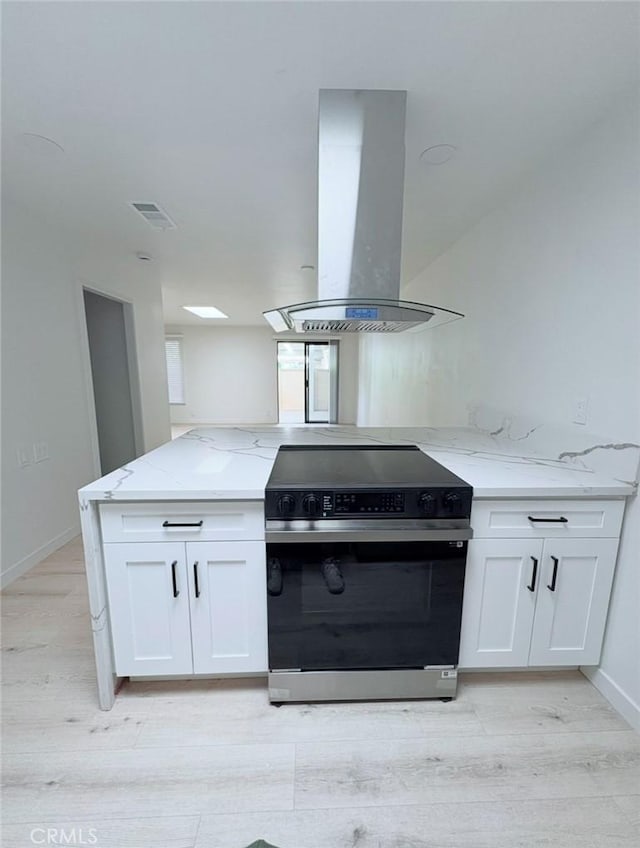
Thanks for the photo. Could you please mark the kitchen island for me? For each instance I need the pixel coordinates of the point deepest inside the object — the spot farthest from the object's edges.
(206, 489)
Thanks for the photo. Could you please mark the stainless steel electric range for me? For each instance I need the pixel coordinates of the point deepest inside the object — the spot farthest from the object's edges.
(366, 553)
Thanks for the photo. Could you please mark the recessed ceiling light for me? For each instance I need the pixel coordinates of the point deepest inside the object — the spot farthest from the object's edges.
(205, 311)
(438, 154)
(41, 144)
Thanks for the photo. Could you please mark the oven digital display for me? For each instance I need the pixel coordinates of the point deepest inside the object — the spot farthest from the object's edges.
(369, 502)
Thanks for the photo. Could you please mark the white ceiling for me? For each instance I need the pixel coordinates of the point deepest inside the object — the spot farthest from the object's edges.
(210, 110)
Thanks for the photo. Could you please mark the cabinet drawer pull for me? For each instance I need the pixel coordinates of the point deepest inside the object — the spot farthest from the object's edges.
(176, 591)
(195, 579)
(561, 520)
(183, 523)
(554, 577)
(532, 586)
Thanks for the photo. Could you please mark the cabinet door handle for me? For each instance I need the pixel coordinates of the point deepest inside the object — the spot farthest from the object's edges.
(176, 591)
(554, 576)
(183, 524)
(561, 520)
(532, 586)
(195, 579)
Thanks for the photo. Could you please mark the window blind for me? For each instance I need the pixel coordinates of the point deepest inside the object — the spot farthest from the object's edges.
(175, 381)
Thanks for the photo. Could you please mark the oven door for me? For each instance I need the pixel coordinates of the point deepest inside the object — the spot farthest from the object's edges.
(364, 605)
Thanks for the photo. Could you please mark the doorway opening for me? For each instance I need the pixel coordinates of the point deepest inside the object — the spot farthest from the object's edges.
(308, 382)
(114, 378)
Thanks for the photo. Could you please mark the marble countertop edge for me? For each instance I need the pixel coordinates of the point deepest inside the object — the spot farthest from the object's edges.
(234, 463)
(88, 493)
(485, 493)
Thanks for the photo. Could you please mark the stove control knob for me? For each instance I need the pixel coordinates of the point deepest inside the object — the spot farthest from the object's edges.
(311, 505)
(427, 503)
(451, 501)
(286, 505)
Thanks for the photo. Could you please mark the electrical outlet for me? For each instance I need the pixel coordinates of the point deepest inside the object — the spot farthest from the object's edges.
(580, 410)
(40, 451)
(24, 456)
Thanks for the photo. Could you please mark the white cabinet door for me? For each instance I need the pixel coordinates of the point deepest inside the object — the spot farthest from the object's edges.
(228, 606)
(149, 608)
(571, 614)
(498, 609)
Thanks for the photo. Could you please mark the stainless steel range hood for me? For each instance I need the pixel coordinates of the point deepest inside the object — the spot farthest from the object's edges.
(360, 196)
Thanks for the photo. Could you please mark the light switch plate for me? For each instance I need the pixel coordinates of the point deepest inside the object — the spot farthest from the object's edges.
(23, 455)
(40, 451)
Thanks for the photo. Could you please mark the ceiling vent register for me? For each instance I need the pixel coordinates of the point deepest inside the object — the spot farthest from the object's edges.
(155, 216)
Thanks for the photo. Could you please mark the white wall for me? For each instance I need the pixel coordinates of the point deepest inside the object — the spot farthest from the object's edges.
(45, 389)
(393, 380)
(348, 379)
(618, 676)
(550, 286)
(230, 376)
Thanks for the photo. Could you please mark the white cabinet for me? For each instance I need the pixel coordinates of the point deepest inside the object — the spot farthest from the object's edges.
(186, 607)
(188, 521)
(547, 519)
(541, 600)
(571, 613)
(149, 619)
(228, 606)
(498, 609)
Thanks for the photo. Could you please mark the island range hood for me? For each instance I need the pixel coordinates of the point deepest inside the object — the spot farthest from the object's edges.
(360, 197)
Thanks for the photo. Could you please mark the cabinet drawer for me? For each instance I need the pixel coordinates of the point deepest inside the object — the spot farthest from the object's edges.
(546, 518)
(188, 521)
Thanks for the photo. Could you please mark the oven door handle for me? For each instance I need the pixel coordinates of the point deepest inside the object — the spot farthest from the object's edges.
(369, 535)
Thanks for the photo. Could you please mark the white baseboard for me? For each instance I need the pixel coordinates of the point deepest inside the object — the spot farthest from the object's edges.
(19, 568)
(618, 699)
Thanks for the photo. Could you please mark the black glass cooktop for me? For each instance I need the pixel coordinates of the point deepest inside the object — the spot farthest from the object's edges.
(356, 466)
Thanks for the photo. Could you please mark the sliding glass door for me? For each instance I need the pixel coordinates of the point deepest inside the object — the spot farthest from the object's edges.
(308, 382)
(316, 363)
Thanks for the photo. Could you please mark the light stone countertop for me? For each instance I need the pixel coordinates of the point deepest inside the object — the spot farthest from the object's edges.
(233, 463)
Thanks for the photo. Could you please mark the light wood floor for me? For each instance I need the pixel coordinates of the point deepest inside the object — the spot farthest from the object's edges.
(514, 762)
